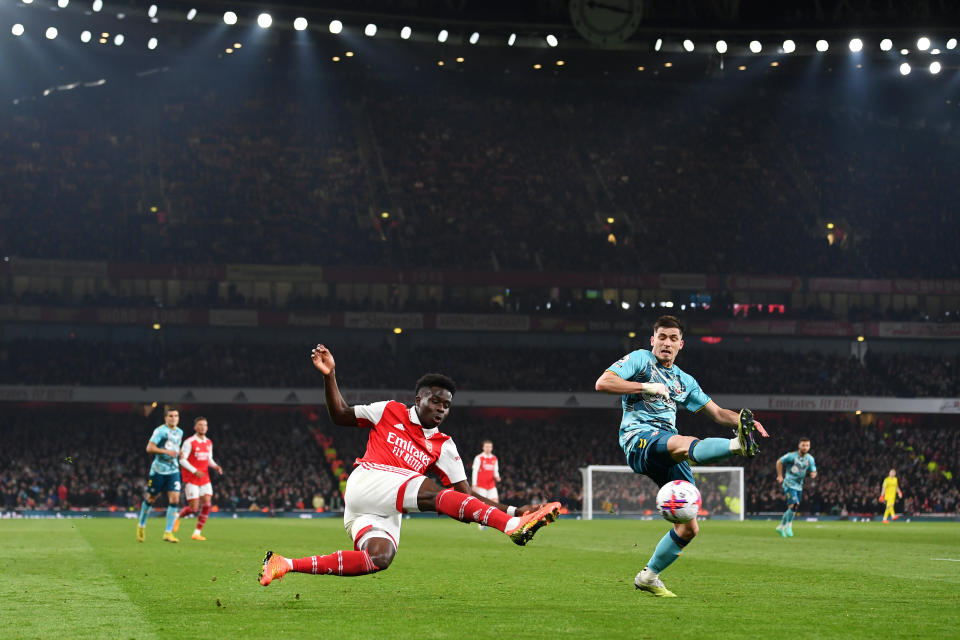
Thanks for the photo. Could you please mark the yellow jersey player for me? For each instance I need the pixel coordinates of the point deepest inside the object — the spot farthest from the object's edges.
(891, 491)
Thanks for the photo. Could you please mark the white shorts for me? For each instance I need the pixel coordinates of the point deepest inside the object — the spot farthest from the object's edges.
(376, 498)
(489, 494)
(194, 491)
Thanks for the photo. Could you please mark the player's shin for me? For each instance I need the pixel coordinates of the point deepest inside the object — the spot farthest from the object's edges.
(185, 512)
(668, 549)
(171, 516)
(464, 508)
(144, 512)
(712, 449)
(202, 518)
(340, 563)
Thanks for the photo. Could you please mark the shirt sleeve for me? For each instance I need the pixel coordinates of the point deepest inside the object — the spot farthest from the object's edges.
(475, 470)
(369, 415)
(696, 399)
(449, 466)
(786, 458)
(184, 454)
(813, 464)
(496, 470)
(210, 459)
(158, 436)
(630, 365)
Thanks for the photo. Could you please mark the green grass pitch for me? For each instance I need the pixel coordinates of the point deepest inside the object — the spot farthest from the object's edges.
(90, 578)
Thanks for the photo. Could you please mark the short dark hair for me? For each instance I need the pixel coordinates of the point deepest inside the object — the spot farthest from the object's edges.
(486, 441)
(803, 439)
(436, 380)
(198, 419)
(668, 322)
(167, 408)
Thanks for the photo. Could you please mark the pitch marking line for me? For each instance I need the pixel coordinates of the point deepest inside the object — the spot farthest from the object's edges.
(947, 559)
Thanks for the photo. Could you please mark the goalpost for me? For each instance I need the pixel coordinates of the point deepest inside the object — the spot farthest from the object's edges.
(614, 490)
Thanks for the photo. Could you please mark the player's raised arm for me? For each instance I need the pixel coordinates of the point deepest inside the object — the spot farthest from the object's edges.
(610, 382)
(340, 412)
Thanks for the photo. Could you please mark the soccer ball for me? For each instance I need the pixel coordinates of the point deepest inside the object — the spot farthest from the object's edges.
(678, 501)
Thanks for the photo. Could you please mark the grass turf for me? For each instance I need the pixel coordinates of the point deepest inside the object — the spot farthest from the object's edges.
(90, 578)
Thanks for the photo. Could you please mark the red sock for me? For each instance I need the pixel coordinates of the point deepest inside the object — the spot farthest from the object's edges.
(341, 563)
(464, 508)
(202, 518)
(185, 512)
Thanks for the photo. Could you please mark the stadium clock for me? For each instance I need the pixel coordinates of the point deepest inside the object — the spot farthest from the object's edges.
(606, 22)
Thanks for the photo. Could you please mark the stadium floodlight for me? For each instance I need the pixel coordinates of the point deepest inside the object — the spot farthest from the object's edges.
(300, 24)
(512, 40)
(856, 45)
(97, 5)
(935, 52)
(191, 14)
(822, 45)
(923, 43)
(721, 46)
(905, 69)
(51, 33)
(152, 44)
(624, 305)
(886, 44)
(904, 52)
(688, 45)
(935, 67)
(152, 11)
(952, 43)
(370, 30)
(552, 40)
(335, 27)
(755, 46)
(789, 46)
(17, 29)
(63, 3)
(475, 37)
(406, 32)
(264, 20)
(27, 1)
(85, 36)
(658, 44)
(230, 18)
(118, 39)
(443, 35)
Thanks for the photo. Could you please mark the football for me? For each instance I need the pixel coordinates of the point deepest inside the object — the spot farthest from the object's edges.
(678, 501)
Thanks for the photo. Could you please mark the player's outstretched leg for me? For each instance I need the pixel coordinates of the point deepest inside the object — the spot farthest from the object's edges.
(464, 508)
(668, 550)
(339, 563)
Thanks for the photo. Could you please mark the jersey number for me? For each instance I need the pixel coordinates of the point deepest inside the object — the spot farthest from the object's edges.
(641, 443)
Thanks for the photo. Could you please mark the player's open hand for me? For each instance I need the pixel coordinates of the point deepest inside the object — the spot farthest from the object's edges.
(655, 390)
(760, 428)
(527, 508)
(323, 359)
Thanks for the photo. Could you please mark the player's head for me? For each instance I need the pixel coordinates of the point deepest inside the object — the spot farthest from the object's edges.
(171, 415)
(434, 397)
(667, 339)
(488, 446)
(893, 473)
(200, 426)
(803, 446)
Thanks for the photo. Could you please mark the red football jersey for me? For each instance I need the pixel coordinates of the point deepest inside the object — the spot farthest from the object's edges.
(486, 470)
(198, 453)
(398, 440)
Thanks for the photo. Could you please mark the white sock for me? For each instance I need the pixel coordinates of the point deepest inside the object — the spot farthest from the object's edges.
(512, 523)
(289, 563)
(196, 532)
(648, 574)
(735, 445)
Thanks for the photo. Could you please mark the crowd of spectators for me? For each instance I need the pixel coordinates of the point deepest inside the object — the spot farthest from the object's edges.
(505, 368)
(189, 168)
(69, 458)
(88, 457)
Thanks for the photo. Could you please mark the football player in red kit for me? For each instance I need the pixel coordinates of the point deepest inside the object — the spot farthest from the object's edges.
(196, 460)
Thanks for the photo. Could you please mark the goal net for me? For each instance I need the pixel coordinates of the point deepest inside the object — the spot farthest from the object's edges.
(617, 491)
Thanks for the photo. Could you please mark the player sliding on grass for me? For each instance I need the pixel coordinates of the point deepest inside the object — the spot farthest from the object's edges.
(404, 443)
(652, 387)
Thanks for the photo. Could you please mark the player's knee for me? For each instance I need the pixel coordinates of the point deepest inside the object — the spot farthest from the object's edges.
(795, 506)
(679, 447)
(687, 530)
(381, 552)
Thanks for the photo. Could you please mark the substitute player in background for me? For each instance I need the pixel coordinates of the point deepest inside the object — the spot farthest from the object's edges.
(164, 444)
(652, 386)
(889, 494)
(404, 443)
(800, 464)
(486, 474)
(196, 460)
